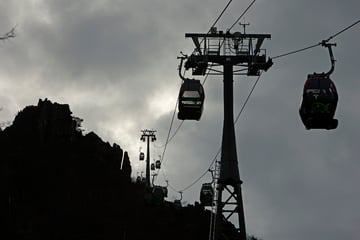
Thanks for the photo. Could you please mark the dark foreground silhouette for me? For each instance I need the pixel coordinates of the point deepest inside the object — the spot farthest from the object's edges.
(57, 183)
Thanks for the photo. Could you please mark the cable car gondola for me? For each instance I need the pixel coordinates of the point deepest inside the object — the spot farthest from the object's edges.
(157, 164)
(319, 99)
(141, 156)
(152, 166)
(206, 194)
(319, 103)
(158, 195)
(191, 100)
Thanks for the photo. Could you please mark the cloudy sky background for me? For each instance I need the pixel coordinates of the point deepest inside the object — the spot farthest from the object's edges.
(115, 63)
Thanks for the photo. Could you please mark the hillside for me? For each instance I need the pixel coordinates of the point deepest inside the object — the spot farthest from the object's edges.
(57, 183)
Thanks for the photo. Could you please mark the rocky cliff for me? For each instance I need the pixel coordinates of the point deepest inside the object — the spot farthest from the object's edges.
(57, 183)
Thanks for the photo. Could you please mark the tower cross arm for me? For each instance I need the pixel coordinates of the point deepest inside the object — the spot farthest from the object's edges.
(226, 35)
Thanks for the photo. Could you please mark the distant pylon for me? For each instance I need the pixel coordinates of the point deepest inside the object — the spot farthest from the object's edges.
(148, 135)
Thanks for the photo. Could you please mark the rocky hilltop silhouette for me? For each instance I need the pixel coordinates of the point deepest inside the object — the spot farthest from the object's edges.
(57, 183)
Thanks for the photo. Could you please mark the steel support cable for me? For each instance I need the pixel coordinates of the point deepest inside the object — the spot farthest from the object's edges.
(340, 32)
(237, 20)
(223, 11)
(247, 98)
(168, 135)
(296, 51)
(218, 152)
(175, 132)
(167, 141)
(172, 136)
(318, 44)
(181, 123)
(216, 21)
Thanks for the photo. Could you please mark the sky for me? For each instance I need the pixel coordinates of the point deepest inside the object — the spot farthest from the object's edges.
(115, 63)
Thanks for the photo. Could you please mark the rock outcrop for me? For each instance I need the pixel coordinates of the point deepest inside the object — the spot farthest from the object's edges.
(57, 183)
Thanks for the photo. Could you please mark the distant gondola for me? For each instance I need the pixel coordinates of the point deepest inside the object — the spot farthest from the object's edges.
(158, 195)
(152, 166)
(319, 102)
(141, 156)
(191, 100)
(206, 194)
(158, 164)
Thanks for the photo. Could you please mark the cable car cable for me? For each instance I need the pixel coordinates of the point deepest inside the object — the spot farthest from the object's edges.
(217, 19)
(237, 20)
(247, 98)
(172, 136)
(220, 15)
(167, 138)
(318, 44)
(340, 32)
(218, 152)
(295, 51)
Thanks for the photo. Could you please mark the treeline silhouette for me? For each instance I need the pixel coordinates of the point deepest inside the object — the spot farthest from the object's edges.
(57, 183)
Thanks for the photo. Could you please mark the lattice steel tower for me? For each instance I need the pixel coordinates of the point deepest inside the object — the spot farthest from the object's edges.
(228, 54)
(148, 135)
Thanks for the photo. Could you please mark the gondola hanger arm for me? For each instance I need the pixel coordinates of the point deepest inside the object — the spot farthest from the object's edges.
(181, 64)
(329, 46)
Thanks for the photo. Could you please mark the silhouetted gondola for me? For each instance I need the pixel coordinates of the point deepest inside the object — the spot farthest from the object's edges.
(319, 103)
(319, 99)
(206, 194)
(141, 156)
(158, 164)
(158, 195)
(191, 100)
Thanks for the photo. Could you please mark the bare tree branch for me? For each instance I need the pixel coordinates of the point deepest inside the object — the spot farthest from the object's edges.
(9, 34)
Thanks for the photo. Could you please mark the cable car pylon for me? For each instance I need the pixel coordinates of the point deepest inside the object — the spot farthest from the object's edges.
(229, 51)
(147, 135)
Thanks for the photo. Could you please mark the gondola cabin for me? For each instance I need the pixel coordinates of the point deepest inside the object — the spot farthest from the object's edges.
(158, 195)
(191, 100)
(152, 166)
(158, 164)
(177, 204)
(206, 194)
(319, 101)
(141, 156)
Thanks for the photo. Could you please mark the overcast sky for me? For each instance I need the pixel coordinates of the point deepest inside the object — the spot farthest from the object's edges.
(114, 62)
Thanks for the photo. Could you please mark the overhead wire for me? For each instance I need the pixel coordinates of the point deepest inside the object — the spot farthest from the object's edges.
(317, 44)
(245, 11)
(296, 51)
(345, 29)
(173, 135)
(217, 19)
(219, 150)
(223, 11)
